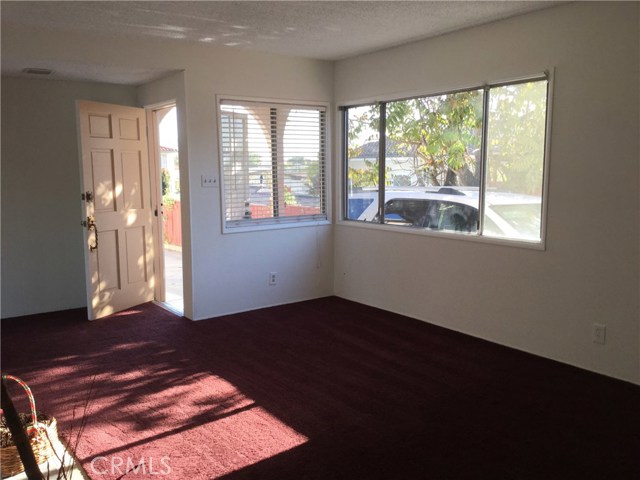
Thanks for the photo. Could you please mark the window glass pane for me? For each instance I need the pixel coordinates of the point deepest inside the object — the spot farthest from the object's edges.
(515, 160)
(433, 148)
(432, 211)
(362, 162)
(246, 157)
(303, 175)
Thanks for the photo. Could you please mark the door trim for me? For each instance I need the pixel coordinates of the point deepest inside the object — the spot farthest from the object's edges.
(153, 139)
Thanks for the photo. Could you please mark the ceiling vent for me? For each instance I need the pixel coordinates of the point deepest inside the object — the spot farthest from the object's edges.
(37, 71)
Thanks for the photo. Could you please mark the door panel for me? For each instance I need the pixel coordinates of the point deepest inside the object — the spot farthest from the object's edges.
(129, 128)
(136, 255)
(100, 126)
(132, 180)
(108, 255)
(115, 167)
(103, 180)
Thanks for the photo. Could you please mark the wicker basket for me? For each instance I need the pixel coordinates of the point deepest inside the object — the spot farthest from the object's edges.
(42, 433)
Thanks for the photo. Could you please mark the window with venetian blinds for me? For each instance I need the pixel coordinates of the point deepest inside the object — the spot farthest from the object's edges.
(273, 162)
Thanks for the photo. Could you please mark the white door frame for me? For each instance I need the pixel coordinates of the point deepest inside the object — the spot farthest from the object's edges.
(156, 179)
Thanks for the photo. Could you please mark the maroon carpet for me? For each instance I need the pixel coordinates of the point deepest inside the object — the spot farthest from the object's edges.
(324, 389)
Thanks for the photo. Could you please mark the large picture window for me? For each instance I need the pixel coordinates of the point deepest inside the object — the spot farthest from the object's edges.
(470, 162)
(273, 163)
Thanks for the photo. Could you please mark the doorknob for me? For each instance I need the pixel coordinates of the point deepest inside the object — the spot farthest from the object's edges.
(91, 226)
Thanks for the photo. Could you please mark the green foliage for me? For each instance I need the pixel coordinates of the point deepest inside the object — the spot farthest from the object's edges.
(165, 179)
(312, 178)
(289, 196)
(441, 135)
(367, 119)
(517, 122)
(168, 203)
(442, 132)
(295, 161)
(366, 177)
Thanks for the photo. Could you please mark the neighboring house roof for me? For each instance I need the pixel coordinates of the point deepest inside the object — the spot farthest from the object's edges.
(392, 149)
(168, 149)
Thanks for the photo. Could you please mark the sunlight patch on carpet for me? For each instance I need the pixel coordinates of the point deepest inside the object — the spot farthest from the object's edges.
(249, 437)
(201, 420)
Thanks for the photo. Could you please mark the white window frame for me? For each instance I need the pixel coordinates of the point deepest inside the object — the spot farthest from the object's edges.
(251, 225)
(342, 219)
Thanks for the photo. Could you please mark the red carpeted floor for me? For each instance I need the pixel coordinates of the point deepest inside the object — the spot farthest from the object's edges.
(324, 389)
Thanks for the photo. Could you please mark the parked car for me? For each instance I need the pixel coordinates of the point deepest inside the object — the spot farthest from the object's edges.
(358, 203)
(507, 215)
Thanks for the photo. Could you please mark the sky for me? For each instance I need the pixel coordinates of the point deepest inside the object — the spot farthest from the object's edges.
(169, 130)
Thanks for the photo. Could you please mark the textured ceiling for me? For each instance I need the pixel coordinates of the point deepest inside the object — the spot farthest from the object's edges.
(314, 29)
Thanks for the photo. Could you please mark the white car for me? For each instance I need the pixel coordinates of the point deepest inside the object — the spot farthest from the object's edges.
(507, 215)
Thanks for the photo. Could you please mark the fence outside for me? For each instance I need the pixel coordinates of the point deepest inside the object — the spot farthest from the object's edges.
(173, 224)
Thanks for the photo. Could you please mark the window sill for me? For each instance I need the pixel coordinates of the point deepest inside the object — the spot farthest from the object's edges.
(445, 235)
(257, 227)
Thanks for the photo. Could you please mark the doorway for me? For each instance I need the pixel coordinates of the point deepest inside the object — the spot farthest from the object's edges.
(164, 142)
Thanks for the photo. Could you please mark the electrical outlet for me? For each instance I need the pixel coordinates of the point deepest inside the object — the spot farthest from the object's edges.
(599, 333)
(208, 181)
(273, 278)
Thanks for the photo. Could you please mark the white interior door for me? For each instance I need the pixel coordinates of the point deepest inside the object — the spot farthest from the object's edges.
(117, 206)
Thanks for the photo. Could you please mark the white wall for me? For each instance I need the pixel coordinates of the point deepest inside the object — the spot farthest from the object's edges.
(229, 273)
(42, 257)
(543, 302)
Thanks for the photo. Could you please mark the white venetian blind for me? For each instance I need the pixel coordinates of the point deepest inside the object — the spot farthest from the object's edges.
(273, 158)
